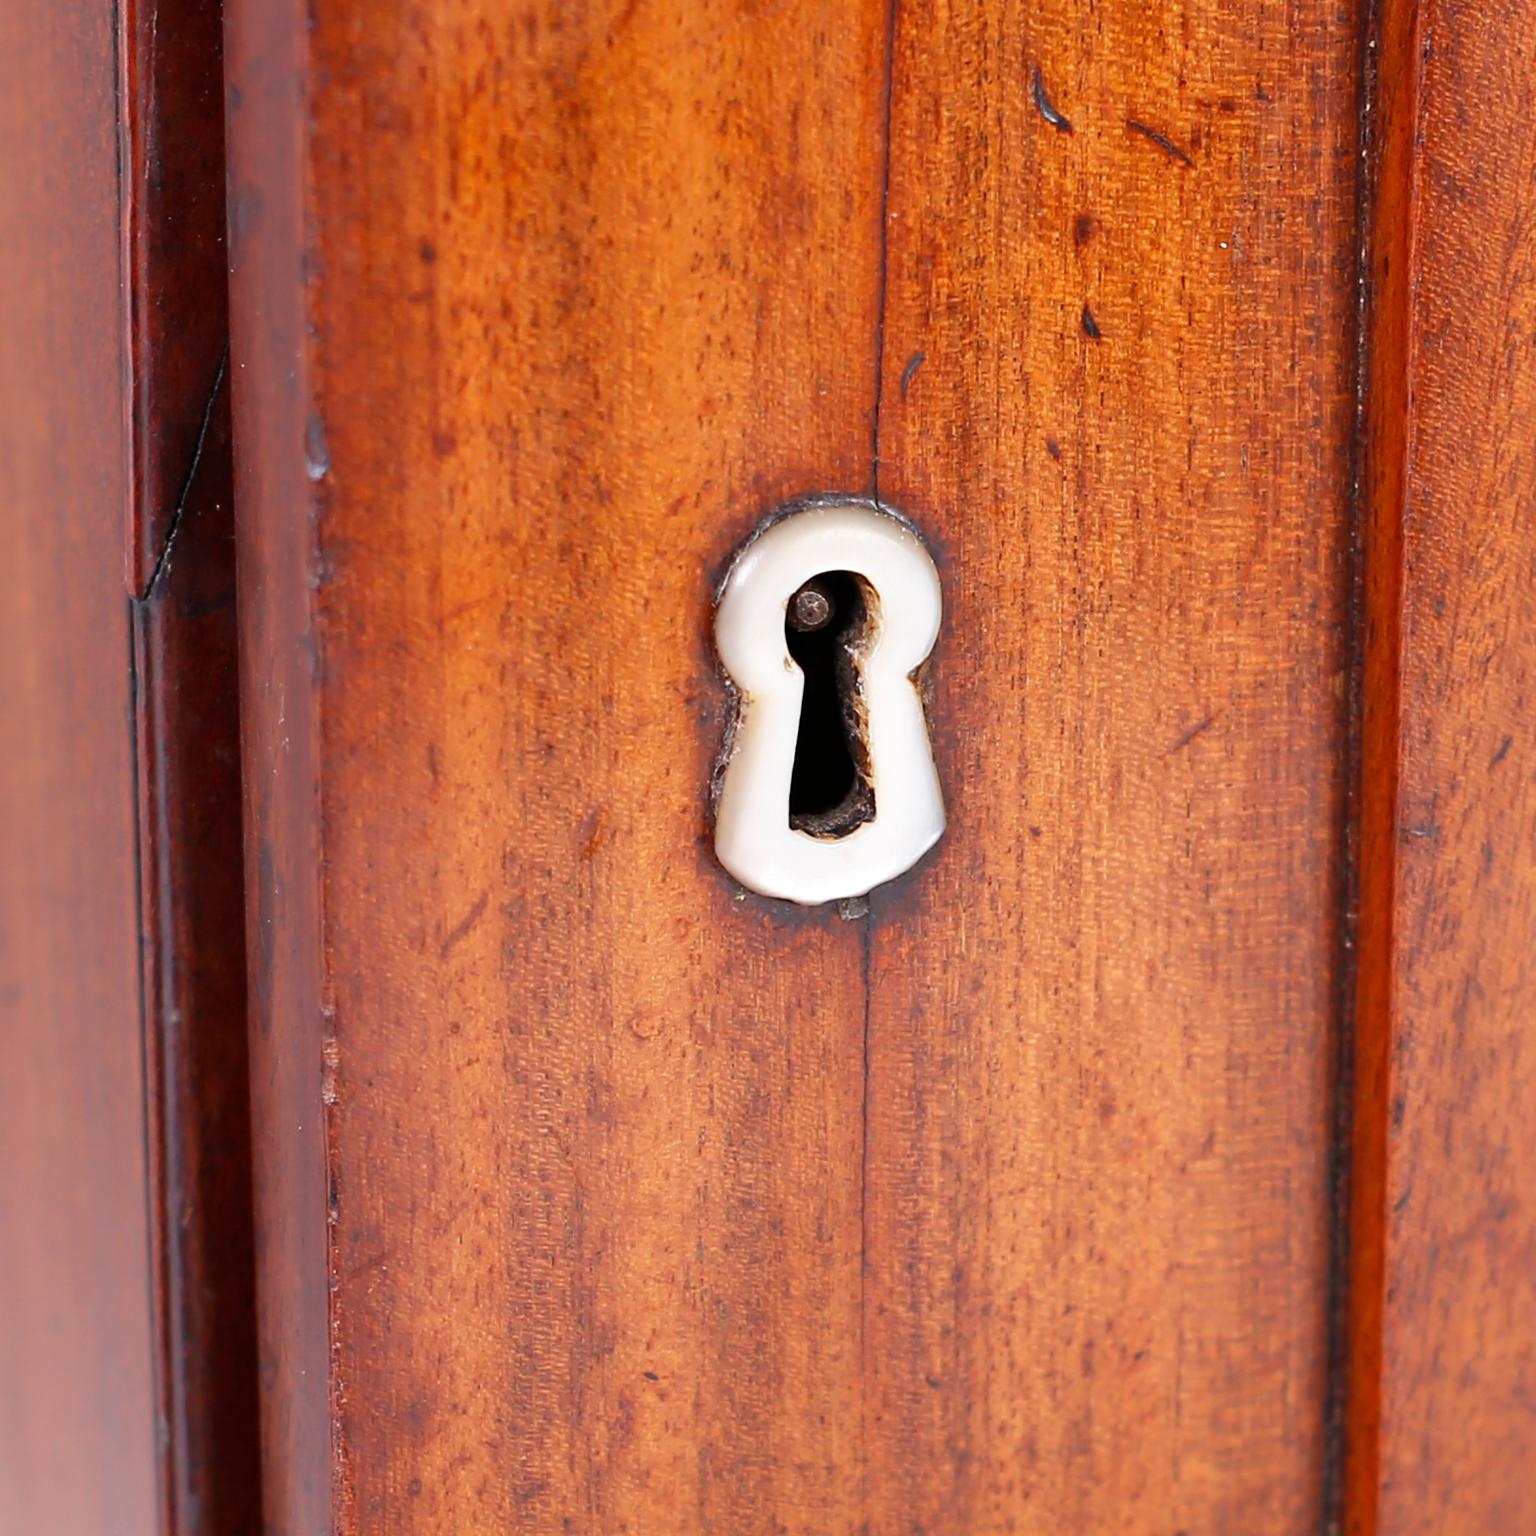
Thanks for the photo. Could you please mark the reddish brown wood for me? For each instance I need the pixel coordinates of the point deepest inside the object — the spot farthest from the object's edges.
(1119, 387)
(267, 100)
(535, 314)
(179, 518)
(596, 1198)
(174, 307)
(126, 1344)
(193, 912)
(594, 1194)
(606, 1245)
(180, 521)
(77, 1423)
(1444, 1328)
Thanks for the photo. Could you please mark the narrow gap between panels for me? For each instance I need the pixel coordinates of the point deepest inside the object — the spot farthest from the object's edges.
(1387, 194)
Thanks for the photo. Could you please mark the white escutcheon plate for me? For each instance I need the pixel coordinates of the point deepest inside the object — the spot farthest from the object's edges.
(754, 839)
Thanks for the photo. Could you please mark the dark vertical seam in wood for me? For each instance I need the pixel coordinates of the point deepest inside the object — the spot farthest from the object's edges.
(1347, 884)
(883, 269)
(867, 923)
(1386, 446)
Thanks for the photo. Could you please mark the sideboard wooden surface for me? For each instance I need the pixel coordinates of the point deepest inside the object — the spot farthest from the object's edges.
(1102, 1023)
(574, 1176)
(407, 1126)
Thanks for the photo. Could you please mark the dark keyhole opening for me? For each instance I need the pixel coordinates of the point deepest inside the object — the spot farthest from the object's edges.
(829, 789)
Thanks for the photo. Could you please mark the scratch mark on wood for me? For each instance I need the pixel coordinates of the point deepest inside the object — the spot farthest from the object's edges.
(913, 364)
(1091, 326)
(461, 929)
(1057, 120)
(173, 527)
(1199, 728)
(1162, 141)
(1503, 752)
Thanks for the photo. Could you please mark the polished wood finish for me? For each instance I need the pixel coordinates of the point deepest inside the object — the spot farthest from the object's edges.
(278, 672)
(174, 302)
(192, 905)
(594, 1196)
(78, 1449)
(1153, 1157)
(560, 1141)
(1119, 389)
(1444, 1322)
(178, 526)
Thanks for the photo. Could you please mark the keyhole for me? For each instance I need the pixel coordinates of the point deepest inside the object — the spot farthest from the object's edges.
(824, 625)
(830, 715)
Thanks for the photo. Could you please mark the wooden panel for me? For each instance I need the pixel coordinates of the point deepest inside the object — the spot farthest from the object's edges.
(178, 522)
(1445, 1265)
(192, 899)
(599, 1198)
(536, 312)
(77, 1432)
(1118, 388)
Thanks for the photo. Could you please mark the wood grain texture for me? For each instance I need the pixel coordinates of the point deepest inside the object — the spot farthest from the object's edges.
(1119, 389)
(536, 312)
(77, 1427)
(595, 1198)
(1445, 1300)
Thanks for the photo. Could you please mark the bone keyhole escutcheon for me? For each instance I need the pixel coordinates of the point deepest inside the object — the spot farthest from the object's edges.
(830, 787)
